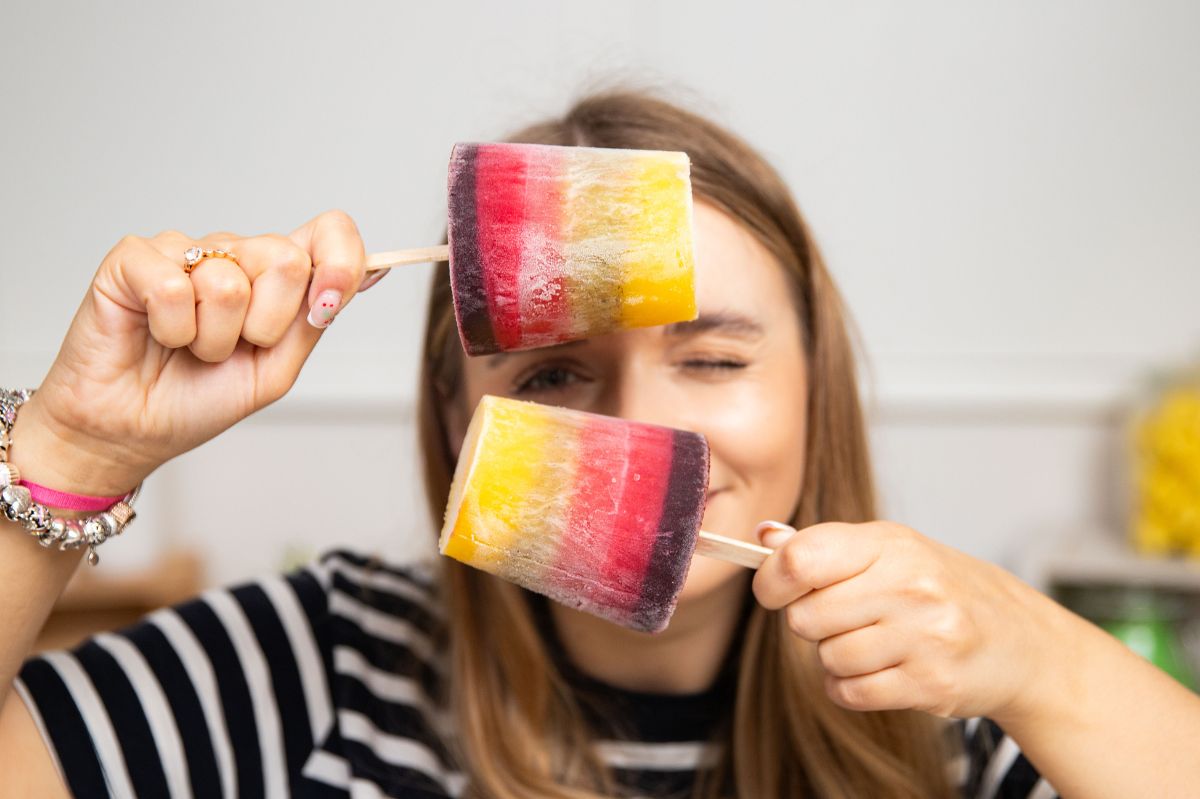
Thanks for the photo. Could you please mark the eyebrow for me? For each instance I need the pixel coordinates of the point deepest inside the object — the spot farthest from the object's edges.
(729, 322)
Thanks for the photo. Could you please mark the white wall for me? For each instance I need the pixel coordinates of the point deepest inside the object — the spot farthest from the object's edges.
(1008, 193)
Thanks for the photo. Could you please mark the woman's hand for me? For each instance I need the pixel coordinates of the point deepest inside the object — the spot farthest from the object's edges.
(901, 621)
(157, 361)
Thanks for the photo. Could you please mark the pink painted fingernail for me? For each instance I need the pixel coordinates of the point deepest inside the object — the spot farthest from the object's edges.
(325, 308)
(372, 279)
(773, 534)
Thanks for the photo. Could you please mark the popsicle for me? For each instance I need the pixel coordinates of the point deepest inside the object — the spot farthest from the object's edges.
(551, 244)
(599, 513)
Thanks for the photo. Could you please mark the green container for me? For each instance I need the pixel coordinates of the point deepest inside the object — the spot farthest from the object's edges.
(1147, 621)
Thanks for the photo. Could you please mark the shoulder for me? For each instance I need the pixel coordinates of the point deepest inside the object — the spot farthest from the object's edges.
(345, 569)
(341, 598)
(384, 627)
(385, 599)
(382, 614)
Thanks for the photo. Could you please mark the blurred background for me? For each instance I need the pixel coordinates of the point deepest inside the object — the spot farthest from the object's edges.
(1009, 195)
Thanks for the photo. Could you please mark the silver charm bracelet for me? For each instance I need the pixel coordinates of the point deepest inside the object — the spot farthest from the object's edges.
(17, 504)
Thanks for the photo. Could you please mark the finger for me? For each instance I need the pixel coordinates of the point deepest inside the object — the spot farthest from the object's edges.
(278, 270)
(844, 606)
(813, 558)
(339, 263)
(888, 689)
(278, 367)
(372, 279)
(222, 299)
(862, 651)
(142, 279)
(279, 273)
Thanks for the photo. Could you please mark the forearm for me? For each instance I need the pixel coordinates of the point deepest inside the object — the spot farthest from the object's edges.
(31, 576)
(1103, 722)
(31, 579)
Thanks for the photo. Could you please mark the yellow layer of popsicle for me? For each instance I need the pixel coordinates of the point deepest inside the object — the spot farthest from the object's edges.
(645, 274)
(514, 477)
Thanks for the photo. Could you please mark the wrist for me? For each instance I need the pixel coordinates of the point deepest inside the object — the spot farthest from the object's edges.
(65, 462)
(1055, 686)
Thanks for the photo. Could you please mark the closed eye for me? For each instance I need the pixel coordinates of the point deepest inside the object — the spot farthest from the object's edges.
(718, 364)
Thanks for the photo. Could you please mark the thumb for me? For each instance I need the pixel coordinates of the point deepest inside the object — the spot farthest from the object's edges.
(773, 535)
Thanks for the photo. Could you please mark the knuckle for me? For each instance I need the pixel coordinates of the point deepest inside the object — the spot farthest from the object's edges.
(792, 561)
(175, 291)
(903, 539)
(800, 621)
(852, 694)
(294, 264)
(769, 592)
(169, 234)
(950, 627)
(828, 653)
(924, 587)
(339, 217)
(260, 336)
(228, 293)
(940, 687)
(128, 243)
(209, 354)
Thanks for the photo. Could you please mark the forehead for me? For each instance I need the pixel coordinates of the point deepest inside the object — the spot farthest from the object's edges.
(734, 271)
(737, 279)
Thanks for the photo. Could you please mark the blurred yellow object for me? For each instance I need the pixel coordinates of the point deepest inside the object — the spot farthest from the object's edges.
(1167, 469)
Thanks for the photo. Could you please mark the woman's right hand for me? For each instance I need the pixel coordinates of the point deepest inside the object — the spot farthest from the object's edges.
(157, 361)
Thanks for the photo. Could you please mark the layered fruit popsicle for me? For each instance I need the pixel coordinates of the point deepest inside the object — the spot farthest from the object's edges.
(550, 244)
(599, 513)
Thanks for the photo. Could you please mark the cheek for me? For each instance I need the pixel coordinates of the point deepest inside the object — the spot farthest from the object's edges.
(757, 447)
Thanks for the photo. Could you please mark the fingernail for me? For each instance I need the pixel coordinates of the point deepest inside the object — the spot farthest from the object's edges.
(325, 308)
(772, 535)
(373, 278)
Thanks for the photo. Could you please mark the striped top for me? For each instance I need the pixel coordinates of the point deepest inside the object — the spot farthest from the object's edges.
(321, 683)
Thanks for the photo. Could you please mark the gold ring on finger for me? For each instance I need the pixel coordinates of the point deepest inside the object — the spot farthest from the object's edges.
(194, 255)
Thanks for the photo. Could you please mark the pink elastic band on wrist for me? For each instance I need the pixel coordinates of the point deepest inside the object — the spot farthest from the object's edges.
(65, 501)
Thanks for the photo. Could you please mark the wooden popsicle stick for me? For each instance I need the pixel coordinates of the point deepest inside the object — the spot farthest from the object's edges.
(419, 255)
(731, 550)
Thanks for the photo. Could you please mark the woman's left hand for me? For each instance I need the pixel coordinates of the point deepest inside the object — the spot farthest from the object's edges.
(901, 621)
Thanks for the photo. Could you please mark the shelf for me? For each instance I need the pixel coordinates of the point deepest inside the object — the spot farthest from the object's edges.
(1098, 557)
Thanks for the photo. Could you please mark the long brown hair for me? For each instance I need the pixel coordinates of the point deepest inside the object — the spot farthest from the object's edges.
(520, 731)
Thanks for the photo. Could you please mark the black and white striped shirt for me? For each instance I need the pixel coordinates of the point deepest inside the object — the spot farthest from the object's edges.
(321, 683)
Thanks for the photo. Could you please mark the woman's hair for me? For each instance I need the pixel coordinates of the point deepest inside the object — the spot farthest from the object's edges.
(520, 731)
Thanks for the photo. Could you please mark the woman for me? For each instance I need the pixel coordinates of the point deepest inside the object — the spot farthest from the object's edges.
(823, 674)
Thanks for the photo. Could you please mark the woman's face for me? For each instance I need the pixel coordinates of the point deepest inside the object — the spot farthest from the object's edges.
(736, 374)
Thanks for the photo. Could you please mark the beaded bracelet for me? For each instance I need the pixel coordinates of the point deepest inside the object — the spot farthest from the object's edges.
(17, 505)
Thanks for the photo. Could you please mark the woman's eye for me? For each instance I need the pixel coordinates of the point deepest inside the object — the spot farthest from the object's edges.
(715, 364)
(551, 378)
